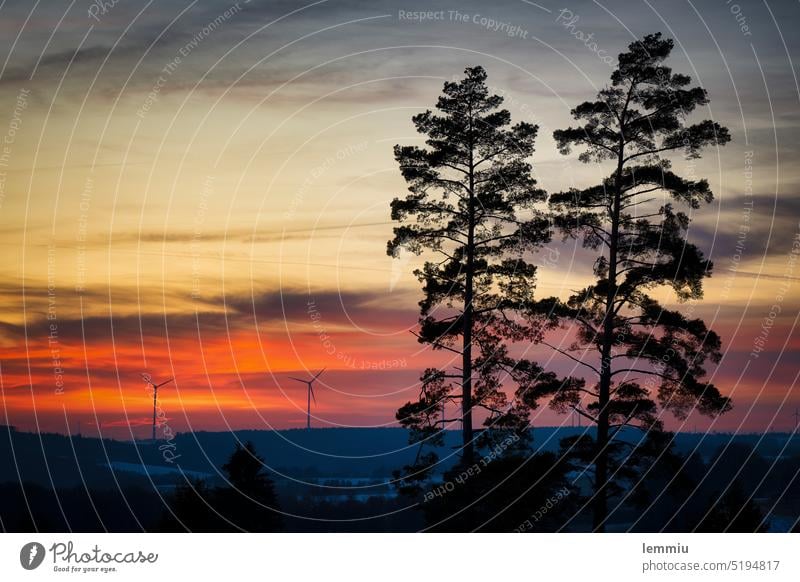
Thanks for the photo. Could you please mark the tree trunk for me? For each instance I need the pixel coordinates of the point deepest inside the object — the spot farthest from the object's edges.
(466, 385)
(468, 453)
(600, 502)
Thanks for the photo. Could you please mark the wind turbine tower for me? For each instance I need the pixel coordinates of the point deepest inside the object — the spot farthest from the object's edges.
(309, 395)
(148, 379)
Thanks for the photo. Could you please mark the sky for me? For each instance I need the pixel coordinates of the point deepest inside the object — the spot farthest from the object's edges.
(201, 190)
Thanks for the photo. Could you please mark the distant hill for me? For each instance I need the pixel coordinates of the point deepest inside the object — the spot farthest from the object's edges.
(54, 460)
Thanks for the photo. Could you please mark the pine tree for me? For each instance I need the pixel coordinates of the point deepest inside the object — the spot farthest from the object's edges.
(471, 207)
(249, 503)
(646, 354)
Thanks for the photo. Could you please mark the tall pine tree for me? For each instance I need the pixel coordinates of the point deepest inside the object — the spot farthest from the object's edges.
(644, 354)
(471, 208)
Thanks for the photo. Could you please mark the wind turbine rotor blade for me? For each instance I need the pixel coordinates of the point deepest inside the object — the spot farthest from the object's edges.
(318, 374)
(311, 389)
(298, 379)
(165, 382)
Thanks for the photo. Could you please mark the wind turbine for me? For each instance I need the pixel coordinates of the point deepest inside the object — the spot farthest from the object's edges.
(310, 394)
(149, 379)
(576, 414)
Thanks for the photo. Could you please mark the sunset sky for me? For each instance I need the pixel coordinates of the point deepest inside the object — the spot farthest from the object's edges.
(201, 190)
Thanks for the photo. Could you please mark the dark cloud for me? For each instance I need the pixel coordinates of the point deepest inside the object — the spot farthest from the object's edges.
(200, 317)
(364, 308)
(756, 226)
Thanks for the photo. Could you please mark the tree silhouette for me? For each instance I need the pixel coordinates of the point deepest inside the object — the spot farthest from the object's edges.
(516, 492)
(733, 512)
(249, 503)
(629, 218)
(469, 189)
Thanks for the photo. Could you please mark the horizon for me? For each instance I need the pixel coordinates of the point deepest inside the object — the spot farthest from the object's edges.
(455, 431)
